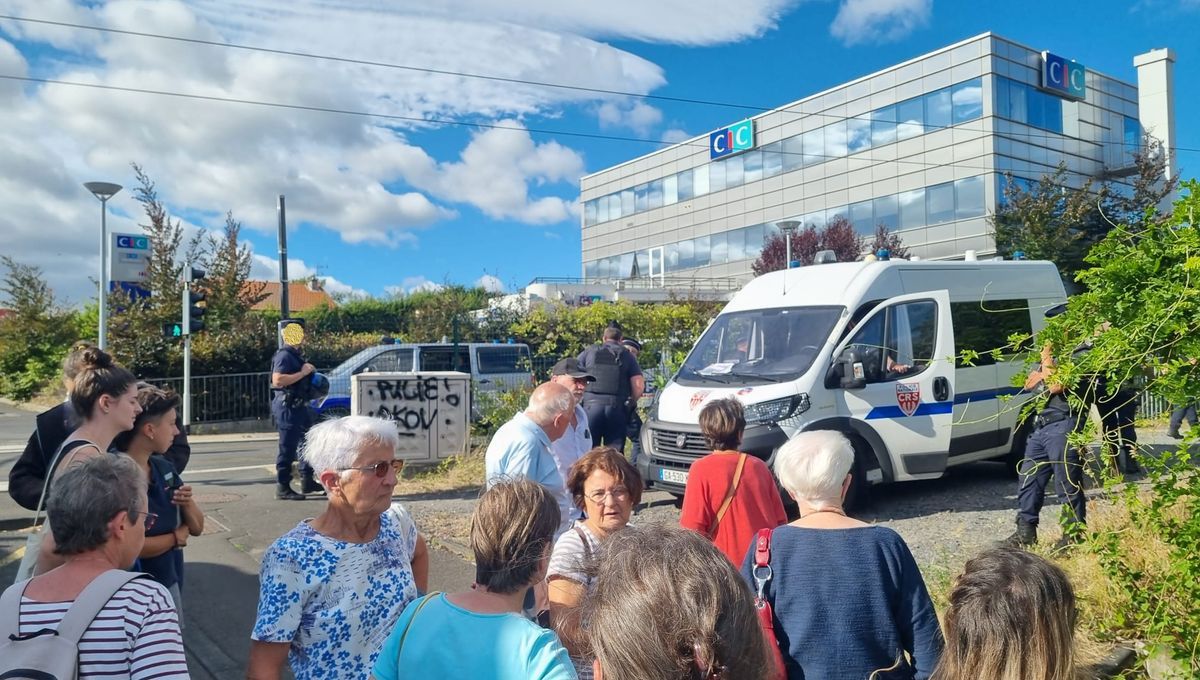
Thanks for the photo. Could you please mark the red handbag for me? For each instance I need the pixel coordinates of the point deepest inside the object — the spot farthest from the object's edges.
(766, 615)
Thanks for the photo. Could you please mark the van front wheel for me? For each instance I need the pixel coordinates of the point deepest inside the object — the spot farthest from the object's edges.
(858, 496)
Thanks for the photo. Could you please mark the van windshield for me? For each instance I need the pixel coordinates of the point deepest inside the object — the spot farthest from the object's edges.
(760, 345)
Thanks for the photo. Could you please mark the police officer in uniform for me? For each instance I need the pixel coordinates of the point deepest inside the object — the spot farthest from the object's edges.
(619, 384)
(634, 431)
(290, 408)
(1047, 453)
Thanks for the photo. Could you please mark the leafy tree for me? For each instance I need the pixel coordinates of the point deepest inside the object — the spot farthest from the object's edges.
(35, 336)
(231, 293)
(838, 235)
(885, 239)
(1048, 221)
(1150, 187)
(1141, 314)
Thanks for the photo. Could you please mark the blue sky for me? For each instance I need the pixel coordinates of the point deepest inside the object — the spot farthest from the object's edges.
(388, 206)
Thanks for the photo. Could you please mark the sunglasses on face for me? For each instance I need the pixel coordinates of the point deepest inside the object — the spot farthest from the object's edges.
(380, 469)
(148, 518)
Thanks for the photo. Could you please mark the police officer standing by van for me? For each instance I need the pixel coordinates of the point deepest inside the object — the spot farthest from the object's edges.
(610, 400)
(289, 406)
(1047, 452)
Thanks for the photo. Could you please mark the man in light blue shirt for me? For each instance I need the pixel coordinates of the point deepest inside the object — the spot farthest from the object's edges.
(521, 447)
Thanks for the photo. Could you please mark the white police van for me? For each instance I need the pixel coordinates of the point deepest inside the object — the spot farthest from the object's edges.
(868, 349)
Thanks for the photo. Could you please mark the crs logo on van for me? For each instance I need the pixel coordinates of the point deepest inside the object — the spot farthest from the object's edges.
(1063, 77)
(733, 139)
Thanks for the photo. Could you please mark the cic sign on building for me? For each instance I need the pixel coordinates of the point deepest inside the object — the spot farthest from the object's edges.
(1063, 77)
(733, 139)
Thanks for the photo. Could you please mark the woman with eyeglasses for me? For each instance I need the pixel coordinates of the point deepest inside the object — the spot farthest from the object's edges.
(332, 588)
(176, 515)
(606, 488)
(98, 514)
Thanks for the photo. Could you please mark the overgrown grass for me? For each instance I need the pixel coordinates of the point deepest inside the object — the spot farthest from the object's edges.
(458, 473)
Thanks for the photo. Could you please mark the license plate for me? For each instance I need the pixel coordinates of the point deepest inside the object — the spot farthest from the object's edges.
(673, 476)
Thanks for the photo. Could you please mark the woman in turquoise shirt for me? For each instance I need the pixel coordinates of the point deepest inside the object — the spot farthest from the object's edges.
(480, 633)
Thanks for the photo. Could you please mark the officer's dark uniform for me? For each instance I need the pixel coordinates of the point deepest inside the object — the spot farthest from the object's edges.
(1047, 452)
(1117, 413)
(634, 430)
(606, 400)
(292, 418)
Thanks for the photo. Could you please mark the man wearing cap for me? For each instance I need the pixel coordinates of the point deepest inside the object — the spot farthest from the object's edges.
(618, 384)
(577, 439)
(634, 429)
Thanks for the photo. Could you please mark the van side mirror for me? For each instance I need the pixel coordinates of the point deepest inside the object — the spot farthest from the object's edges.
(847, 371)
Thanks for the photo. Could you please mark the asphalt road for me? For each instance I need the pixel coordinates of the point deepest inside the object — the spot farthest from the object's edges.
(234, 484)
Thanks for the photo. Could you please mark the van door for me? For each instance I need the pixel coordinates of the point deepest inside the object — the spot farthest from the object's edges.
(502, 367)
(900, 380)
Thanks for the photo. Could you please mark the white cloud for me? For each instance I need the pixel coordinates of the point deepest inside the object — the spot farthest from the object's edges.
(264, 268)
(676, 135)
(872, 21)
(491, 284)
(636, 115)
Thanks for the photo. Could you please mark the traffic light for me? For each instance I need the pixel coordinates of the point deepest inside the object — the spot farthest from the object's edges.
(172, 330)
(193, 315)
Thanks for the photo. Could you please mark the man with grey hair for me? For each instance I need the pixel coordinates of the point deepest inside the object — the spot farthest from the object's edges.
(521, 447)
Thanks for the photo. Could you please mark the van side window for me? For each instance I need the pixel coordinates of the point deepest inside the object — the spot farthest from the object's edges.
(984, 326)
(898, 341)
(392, 361)
(502, 359)
(445, 358)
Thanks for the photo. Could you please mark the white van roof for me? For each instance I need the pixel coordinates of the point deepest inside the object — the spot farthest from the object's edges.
(849, 283)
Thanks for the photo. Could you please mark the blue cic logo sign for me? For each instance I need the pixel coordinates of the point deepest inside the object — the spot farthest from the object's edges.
(1063, 77)
(733, 139)
(133, 242)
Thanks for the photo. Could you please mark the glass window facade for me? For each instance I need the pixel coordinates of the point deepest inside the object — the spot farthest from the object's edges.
(1027, 104)
(943, 108)
(940, 203)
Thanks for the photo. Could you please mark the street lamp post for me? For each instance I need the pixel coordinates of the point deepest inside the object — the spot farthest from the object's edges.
(788, 227)
(103, 191)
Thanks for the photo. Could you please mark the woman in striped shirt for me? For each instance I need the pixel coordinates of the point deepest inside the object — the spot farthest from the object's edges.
(97, 511)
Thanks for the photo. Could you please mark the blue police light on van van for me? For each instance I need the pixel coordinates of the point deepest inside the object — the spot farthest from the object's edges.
(733, 139)
(1063, 77)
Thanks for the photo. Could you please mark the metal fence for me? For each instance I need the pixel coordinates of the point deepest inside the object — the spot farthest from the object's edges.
(247, 396)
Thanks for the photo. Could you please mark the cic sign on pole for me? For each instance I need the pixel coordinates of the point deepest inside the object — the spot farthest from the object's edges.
(129, 257)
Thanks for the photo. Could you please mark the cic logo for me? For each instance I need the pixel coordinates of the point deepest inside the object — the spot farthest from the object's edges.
(1063, 77)
(735, 138)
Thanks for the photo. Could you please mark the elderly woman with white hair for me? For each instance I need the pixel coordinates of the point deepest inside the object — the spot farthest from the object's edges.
(332, 588)
(848, 598)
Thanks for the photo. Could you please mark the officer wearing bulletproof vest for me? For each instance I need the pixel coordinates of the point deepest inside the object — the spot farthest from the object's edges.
(610, 400)
(1047, 452)
(289, 406)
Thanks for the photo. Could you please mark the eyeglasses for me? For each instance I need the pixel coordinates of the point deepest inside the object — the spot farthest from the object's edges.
(380, 469)
(148, 518)
(619, 493)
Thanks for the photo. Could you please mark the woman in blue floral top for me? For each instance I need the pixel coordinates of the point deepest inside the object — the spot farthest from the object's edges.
(332, 588)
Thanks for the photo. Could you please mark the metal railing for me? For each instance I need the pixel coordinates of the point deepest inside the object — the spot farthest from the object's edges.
(647, 282)
(225, 398)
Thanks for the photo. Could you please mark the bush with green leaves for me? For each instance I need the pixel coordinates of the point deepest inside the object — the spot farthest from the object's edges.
(1141, 316)
(36, 333)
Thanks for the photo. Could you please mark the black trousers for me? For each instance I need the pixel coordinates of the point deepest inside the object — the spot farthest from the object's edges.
(634, 431)
(1047, 453)
(608, 419)
(292, 423)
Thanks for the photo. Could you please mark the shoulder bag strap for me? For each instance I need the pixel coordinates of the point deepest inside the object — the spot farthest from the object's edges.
(37, 514)
(737, 477)
(10, 610)
(89, 602)
(587, 547)
(404, 633)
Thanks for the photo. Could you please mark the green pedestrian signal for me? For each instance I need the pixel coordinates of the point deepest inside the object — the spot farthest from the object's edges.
(172, 330)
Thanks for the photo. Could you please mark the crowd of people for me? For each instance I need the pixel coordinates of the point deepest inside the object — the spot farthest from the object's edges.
(567, 584)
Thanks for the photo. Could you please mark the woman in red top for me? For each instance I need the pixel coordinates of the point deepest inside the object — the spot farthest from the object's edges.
(729, 495)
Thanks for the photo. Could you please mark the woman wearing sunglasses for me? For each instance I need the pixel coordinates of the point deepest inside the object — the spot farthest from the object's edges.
(332, 588)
